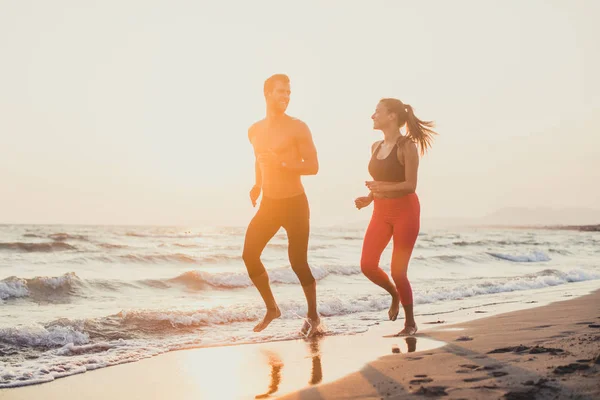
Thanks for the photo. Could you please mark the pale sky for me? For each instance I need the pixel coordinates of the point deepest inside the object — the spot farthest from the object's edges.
(136, 112)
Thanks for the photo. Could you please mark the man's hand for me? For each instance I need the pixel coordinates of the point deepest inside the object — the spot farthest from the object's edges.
(254, 193)
(362, 202)
(270, 159)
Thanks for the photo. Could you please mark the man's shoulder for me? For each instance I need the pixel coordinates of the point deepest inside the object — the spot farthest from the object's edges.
(255, 127)
(299, 126)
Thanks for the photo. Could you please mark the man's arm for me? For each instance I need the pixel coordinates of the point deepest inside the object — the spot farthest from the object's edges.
(308, 152)
(257, 175)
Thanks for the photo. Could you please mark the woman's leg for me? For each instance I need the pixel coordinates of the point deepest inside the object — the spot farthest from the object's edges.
(406, 229)
(376, 239)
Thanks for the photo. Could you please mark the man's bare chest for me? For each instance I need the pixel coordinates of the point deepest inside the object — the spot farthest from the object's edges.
(278, 141)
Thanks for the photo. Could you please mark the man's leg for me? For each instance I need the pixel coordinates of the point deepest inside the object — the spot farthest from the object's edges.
(260, 230)
(297, 225)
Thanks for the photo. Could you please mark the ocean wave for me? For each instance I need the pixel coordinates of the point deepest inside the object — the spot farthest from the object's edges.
(36, 335)
(539, 280)
(491, 243)
(61, 237)
(229, 280)
(445, 258)
(160, 258)
(113, 246)
(184, 245)
(32, 235)
(155, 322)
(41, 287)
(10, 288)
(473, 243)
(157, 258)
(161, 321)
(536, 256)
(164, 235)
(36, 247)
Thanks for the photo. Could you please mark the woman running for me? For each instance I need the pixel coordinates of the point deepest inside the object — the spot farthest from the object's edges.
(393, 166)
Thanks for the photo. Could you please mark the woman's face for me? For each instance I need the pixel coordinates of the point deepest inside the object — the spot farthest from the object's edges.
(382, 117)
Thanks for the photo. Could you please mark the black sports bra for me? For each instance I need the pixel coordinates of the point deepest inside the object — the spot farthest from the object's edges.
(389, 169)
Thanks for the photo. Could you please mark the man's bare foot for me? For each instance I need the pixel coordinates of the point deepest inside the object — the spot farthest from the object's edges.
(310, 326)
(409, 330)
(271, 314)
(394, 308)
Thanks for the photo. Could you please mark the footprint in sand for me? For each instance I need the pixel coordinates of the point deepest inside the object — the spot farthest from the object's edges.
(476, 379)
(489, 368)
(432, 391)
(542, 326)
(522, 395)
(463, 338)
(420, 381)
(570, 368)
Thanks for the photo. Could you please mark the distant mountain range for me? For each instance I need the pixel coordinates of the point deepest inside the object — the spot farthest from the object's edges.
(510, 217)
(526, 217)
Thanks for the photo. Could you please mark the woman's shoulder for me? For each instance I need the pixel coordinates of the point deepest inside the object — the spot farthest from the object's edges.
(375, 145)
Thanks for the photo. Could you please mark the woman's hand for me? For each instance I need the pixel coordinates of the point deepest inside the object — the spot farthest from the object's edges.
(362, 202)
(376, 186)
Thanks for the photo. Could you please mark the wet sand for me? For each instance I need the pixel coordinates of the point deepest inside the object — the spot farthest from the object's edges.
(549, 352)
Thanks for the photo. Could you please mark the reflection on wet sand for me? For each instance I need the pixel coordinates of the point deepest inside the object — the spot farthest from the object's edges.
(276, 364)
(411, 343)
(316, 375)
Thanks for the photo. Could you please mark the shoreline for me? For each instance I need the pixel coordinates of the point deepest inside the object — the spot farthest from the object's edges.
(290, 367)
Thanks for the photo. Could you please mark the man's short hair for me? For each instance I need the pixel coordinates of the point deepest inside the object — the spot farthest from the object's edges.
(272, 80)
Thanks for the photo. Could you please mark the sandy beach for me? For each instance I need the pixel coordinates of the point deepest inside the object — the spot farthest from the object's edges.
(550, 351)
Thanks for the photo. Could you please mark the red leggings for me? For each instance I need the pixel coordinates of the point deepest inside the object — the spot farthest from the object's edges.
(400, 218)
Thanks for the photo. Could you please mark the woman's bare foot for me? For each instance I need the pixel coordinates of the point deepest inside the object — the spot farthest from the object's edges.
(271, 314)
(409, 330)
(394, 308)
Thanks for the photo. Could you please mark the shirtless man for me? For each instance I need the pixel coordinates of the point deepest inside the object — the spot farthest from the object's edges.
(284, 151)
